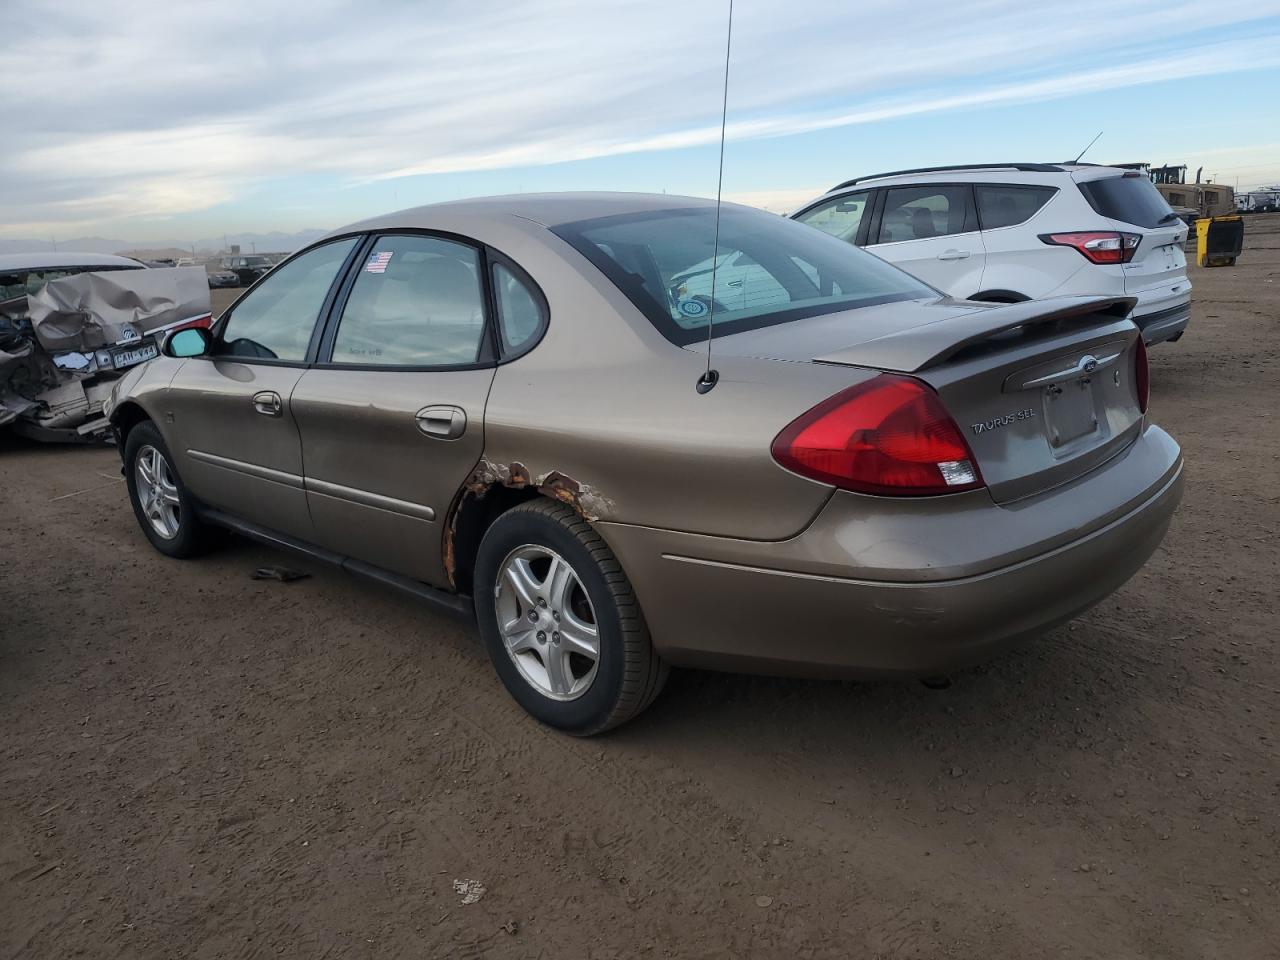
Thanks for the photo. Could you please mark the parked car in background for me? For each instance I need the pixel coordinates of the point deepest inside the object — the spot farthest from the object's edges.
(1022, 231)
(247, 268)
(223, 279)
(501, 406)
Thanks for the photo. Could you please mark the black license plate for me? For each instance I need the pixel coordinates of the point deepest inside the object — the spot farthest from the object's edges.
(131, 356)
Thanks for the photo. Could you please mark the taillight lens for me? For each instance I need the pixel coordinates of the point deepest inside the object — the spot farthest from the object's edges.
(889, 435)
(1141, 374)
(1098, 246)
(205, 321)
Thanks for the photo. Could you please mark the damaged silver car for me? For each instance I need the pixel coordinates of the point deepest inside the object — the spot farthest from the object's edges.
(70, 324)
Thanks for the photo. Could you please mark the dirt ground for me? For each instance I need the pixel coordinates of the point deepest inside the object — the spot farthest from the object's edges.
(197, 764)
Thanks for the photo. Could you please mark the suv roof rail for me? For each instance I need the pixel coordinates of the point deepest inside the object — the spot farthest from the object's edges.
(1029, 167)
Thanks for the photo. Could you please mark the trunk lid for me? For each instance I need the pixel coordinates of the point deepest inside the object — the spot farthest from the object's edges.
(1042, 391)
(1159, 261)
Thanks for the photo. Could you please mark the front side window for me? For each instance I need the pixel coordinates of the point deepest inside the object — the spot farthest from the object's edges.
(417, 302)
(840, 217)
(1004, 205)
(768, 269)
(275, 320)
(520, 314)
(921, 213)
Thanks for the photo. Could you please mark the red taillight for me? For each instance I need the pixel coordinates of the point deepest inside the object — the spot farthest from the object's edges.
(205, 321)
(1141, 374)
(889, 435)
(1098, 246)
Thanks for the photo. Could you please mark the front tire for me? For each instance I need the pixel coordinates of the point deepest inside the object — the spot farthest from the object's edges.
(164, 507)
(561, 622)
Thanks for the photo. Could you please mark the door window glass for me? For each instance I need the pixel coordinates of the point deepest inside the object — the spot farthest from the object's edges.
(840, 217)
(275, 321)
(519, 311)
(416, 302)
(920, 213)
(1003, 205)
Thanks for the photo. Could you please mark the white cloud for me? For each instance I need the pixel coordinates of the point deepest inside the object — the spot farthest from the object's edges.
(151, 109)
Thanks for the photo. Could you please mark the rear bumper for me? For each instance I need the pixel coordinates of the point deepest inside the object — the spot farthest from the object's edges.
(1164, 323)
(875, 588)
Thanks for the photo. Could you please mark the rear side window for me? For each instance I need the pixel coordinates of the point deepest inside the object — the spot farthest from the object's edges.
(920, 213)
(840, 217)
(1129, 199)
(520, 311)
(1004, 205)
(417, 302)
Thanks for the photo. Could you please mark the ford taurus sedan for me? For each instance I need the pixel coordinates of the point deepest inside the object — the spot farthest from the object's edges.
(503, 406)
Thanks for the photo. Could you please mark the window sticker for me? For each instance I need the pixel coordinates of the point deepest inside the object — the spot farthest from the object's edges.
(692, 308)
(378, 262)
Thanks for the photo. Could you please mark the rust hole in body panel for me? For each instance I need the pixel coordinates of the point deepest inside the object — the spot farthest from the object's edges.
(487, 475)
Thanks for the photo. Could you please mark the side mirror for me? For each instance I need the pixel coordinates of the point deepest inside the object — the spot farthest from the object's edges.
(191, 342)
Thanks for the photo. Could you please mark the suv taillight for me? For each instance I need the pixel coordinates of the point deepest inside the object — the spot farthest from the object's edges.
(1141, 373)
(889, 435)
(1098, 246)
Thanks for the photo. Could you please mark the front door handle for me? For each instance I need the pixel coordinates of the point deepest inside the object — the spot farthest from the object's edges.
(268, 403)
(442, 421)
(954, 255)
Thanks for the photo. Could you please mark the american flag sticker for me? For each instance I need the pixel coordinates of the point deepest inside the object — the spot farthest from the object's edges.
(378, 262)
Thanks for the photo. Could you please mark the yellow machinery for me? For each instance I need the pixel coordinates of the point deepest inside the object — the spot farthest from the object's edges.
(1219, 241)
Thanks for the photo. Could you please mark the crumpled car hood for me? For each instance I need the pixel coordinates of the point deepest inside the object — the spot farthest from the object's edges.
(92, 310)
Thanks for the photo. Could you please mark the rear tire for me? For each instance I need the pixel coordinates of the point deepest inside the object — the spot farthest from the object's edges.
(549, 594)
(164, 507)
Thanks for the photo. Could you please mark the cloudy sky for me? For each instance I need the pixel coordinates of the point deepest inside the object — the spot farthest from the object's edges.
(176, 120)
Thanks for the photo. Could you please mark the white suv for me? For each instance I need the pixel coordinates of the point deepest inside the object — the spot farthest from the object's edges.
(1022, 231)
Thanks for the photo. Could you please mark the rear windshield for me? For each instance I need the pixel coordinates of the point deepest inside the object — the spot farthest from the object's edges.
(1129, 199)
(768, 269)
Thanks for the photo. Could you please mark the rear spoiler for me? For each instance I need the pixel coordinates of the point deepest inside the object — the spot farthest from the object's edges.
(920, 348)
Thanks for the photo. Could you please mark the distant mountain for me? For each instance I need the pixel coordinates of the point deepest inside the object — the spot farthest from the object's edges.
(274, 242)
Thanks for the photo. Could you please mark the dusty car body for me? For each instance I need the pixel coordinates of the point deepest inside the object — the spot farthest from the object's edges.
(75, 328)
(494, 404)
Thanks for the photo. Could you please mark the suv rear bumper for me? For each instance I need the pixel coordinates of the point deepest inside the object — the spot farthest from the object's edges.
(1164, 324)
(903, 588)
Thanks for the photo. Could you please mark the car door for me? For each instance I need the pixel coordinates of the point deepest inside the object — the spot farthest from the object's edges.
(228, 416)
(932, 233)
(392, 416)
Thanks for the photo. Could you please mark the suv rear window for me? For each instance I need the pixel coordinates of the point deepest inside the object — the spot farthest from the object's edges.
(1130, 198)
(768, 269)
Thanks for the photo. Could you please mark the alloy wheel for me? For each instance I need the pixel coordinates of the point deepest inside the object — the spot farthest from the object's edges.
(547, 622)
(157, 492)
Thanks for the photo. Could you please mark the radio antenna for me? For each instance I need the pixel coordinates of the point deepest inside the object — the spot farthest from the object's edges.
(1087, 146)
(711, 377)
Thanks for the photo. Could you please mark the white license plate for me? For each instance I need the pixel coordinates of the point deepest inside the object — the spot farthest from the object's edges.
(134, 355)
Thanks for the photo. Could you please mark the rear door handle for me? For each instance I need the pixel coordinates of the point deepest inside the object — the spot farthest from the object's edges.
(268, 403)
(442, 421)
(954, 255)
